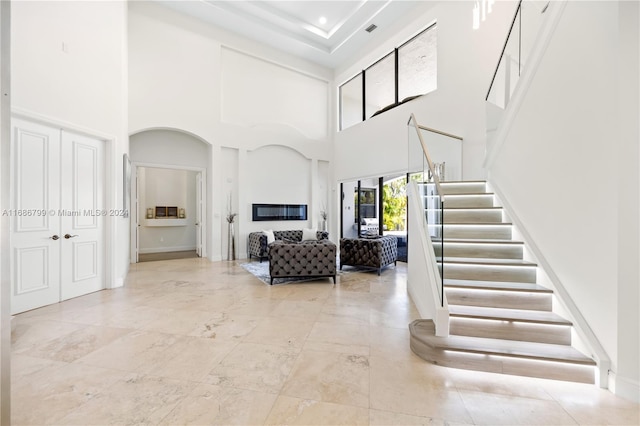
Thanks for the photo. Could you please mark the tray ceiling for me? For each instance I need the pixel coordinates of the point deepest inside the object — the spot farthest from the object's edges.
(325, 32)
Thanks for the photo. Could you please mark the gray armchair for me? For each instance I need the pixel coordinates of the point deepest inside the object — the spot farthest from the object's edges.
(375, 252)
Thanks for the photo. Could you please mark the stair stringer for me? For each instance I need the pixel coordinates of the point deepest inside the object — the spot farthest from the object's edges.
(583, 338)
(423, 278)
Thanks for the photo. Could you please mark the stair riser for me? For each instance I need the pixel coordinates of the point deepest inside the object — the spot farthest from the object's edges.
(464, 188)
(490, 273)
(476, 232)
(504, 365)
(540, 333)
(472, 216)
(499, 299)
(470, 201)
(507, 251)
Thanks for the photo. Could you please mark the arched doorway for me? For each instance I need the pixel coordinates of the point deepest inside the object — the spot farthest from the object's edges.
(168, 191)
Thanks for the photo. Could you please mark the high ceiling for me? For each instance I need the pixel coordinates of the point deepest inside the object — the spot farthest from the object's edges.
(325, 32)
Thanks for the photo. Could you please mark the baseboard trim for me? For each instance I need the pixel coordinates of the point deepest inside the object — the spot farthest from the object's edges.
(624, 387)
(165, 249)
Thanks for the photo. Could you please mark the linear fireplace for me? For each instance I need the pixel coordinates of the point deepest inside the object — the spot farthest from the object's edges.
(263, 212)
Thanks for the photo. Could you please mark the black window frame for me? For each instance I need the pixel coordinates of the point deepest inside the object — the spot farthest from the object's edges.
(363, 73)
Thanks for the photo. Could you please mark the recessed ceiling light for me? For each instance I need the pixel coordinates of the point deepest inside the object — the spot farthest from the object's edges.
(371, 28)
(322, 20)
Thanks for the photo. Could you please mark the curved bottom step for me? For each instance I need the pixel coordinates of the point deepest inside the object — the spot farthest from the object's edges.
(546, 361)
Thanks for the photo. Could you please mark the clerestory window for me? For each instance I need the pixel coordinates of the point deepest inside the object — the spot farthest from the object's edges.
(409, 71)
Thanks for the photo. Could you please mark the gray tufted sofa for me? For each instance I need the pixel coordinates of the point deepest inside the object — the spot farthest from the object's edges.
(375, 252)
(302, 259)
(257, 244)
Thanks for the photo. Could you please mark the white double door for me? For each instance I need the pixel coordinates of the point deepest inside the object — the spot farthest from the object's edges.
(58, 216)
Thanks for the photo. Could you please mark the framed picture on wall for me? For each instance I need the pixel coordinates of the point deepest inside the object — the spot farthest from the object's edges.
(126, 185)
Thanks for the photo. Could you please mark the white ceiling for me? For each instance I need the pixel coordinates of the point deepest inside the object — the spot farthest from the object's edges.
(295, 27)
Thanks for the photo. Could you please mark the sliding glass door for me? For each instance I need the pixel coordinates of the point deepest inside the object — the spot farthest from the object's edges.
(376, 206)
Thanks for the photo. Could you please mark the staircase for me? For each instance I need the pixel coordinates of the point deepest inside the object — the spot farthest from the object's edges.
(501, 320)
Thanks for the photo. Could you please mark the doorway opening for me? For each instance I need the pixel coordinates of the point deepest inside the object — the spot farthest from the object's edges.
(168, 206)
(394, 211)
(376, 206)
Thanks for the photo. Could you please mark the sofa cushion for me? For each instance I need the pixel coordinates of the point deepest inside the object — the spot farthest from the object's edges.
(270, 237)
(309, 234)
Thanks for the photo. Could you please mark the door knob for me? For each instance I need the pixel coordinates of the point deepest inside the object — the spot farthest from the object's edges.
(67, 236)
(54, 237)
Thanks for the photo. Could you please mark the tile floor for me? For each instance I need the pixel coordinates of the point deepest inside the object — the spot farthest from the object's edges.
(194, 342)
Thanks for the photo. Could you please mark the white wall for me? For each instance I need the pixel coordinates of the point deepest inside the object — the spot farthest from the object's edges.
(264, 186)
(256, 91)
(69, 62)
(569, 170)
(5, 190)
(466, 61)
(204, 81)
(628, 374)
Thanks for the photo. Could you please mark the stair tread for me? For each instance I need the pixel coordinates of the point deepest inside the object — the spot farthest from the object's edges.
(471, 208)
(459, 182)
(541, 351)
(470, 194)
(474, 224)
(488, 261)
(478, 241)
(496, 285)
(521, 315)
(512, 348)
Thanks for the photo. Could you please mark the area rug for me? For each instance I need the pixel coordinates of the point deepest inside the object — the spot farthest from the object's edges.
(261, 271)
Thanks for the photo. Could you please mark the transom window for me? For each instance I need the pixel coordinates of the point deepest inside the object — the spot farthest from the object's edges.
(409, 71)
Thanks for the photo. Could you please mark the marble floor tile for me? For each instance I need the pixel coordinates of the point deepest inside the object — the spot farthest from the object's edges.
(280, 332)
(28, 334)
(392, 343)
(309, 291)
(388, 418)
(223, 326)
(307, 310)
(196, 342)
(344, 335)
(500, 384)
(23, 366)
(253, 366)
(592, 405)
(330, 377)
(342, 313)
(134, 350)
(217, 405)
(296, 411)
(117, 315)
(135, 399)
(179, 321)
(48, 395)
(358, 286)
(77, 344)
(197, 356)
(411, 388)
(486, 409)
(253, 306)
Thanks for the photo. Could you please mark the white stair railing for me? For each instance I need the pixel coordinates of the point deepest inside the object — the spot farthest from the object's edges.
(424, 280)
